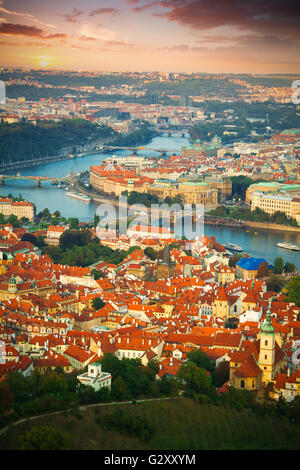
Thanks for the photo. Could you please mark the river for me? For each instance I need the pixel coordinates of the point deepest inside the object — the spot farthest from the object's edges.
(261, 245)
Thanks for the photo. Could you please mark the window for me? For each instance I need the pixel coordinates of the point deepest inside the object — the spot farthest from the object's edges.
(266, 357)
(242, 384)
(266, 343)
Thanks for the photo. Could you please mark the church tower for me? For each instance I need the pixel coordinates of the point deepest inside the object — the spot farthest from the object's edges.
(12, 285)
(267, 349)
(221, 304)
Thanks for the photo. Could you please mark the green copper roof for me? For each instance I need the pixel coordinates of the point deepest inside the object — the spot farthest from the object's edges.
(291, 131)
(12, 280)
(267, 328)
(194, 183)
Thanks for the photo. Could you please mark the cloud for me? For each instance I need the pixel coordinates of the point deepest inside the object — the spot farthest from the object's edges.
(281, 16)
(104, 11)
(89, 30)
(86, 38)
(12, 29)
(145, 7)
(25, 16)
(72, 17)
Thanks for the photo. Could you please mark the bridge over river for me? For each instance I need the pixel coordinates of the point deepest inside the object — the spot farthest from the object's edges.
(132, 149)
(38, 179)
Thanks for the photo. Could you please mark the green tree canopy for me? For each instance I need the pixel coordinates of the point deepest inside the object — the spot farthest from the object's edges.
(43, 438)
(293, 290)
(289, 267)
(278, 265)
(72, 238)
(195, 378)
(97, 303)
(201, 359)
(275, 283)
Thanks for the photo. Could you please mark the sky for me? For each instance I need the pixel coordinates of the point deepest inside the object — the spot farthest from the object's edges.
(211, 36)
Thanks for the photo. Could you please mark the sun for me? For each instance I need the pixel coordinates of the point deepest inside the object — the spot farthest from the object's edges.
(44, 63)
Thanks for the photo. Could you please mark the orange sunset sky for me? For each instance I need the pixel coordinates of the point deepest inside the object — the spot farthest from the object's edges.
(170, 35)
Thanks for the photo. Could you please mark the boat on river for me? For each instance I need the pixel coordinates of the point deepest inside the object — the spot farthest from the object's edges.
(288, 246)
(232, 246)
(81, 197)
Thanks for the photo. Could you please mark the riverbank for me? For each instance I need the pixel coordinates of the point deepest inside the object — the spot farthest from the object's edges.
(11, 166)
(270, 226)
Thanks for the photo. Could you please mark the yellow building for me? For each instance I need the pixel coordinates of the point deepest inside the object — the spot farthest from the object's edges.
(223, 186)
(247, 267)
(259, 363)
(225, 274)
(18, 208)
(244, 371)
(279, 202)
(221, 306)
(12, 289)
(190, 192)
(271, 187)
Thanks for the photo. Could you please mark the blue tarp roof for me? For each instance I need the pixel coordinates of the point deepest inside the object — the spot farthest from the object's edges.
(251, 264)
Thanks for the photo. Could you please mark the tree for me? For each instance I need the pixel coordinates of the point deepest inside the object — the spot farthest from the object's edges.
(46, 213)
(52, 384)
(234, 259)
(6, 398)
(274, 283)
(73, 222)
(289, 267)
(18, 386)
(97, 274)
(201, 359)
(40, 240)
(97, 303)
(293, 290)
(29, 237)
(278, 265)
(13, 220)
(263, 270)
(43, 438)
(221, 374)
(110, 363)
(195, 378)
(119, 389)
(72, 238)
(152, 254)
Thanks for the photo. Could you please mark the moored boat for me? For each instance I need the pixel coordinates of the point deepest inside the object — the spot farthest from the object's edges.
(81, 197)
(232, 246)
(288, 246)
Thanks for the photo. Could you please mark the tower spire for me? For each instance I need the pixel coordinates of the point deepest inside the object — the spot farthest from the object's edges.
(267, 328)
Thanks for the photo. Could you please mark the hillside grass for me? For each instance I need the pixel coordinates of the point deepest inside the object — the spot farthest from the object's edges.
(179, 424)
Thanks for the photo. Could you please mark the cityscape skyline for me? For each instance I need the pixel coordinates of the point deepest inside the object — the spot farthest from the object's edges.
(169, 36)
